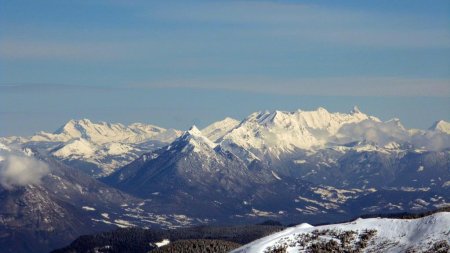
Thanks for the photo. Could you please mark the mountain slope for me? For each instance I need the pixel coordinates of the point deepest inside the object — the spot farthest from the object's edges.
(368, 235)
(103, 132)
(192, 172)
(218, 129)
(259, 169)
(290, 166)
(97, 148)
(442, 126)
(271, 135)
(196, 177)
(274, 133)
(37, 215)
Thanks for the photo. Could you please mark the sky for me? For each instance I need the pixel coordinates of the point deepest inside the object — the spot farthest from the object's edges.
(179, 63)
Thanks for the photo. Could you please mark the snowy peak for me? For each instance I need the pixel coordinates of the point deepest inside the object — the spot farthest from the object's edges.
(4, 147)
(194, 131)
(278, 132)
(193, 140)
(218, 129)
(442, 126)
(140, 128)
(103, 132)
(77, 147)
(396, 122)
(75, 126)
(100, 147)
(319, 119)
(355, 110)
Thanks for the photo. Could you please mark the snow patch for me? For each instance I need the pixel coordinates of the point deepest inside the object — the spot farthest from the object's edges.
(123, 223)
(275, 175)
(162, 243)
(88, 208)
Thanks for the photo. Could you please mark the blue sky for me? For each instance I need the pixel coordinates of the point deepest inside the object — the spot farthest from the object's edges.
(177, 63)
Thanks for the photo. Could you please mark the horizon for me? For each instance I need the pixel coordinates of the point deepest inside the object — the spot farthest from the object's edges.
(194, 62)
(206, 124)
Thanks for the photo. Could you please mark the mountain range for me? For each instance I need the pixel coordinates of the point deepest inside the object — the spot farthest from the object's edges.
(309, 166)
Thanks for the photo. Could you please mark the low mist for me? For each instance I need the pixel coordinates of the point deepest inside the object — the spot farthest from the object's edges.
(18, 170)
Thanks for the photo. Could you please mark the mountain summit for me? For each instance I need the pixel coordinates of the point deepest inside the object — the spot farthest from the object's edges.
(442, 126)
(278, 132)
(103, 132)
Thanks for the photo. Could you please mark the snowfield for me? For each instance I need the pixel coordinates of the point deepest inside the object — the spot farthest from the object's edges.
(369, 235)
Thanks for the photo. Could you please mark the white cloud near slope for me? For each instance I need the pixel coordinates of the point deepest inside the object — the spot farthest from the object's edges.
(17, 170)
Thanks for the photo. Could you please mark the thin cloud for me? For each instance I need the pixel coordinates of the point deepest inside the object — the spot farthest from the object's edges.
(21, 171)
(309, 23)
(38, 49)
(33, 87)
(382, 133)
(337, 86)
(235, 21)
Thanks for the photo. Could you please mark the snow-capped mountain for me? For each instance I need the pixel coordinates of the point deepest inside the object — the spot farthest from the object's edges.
(99, 159)
(191, 174)
(218, 129)
(307, 166)
(274, 133)
(442, 126)
(350, 162)
(98, 148)
(103, 132)
(427, 234)
(269, 135)
(332, 182)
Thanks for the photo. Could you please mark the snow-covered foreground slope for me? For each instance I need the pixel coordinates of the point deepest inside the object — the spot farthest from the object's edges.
(370, 235)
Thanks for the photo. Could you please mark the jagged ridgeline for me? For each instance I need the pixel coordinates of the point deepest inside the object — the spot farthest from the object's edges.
(300, 166)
